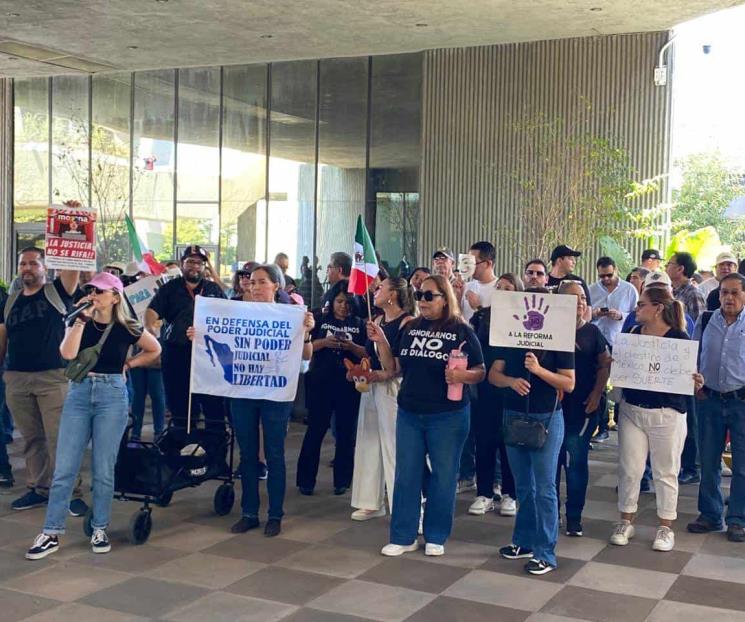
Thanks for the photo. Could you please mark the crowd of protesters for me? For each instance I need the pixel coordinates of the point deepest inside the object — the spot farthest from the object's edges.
(439, 409)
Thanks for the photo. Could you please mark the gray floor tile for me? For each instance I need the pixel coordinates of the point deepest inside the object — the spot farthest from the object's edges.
(311, 531)
(145, 597)
(284, 585)
(208, 571)
(336, 561)
(578, 602)
(222, 607)
(66, 581)
(708, 592)
(189, 538)
(640, 555)
(372, 600)
(78, 612)
(463, 554)
(17, 606)
(413, 574)
(130, 558)
(446, 609)
(623, 580)
(667, 611)
(716, 567)
(717, 544)
(584, 548)
(12, 564)
(370, 535)
(492, 530)
(524, 593)
(307, 614)
(256, 547)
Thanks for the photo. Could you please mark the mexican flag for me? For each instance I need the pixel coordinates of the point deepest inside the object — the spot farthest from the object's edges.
(145, 259)
(365, 267)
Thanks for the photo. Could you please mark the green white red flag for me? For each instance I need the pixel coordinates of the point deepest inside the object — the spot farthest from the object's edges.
(142, 256)
(365, 267)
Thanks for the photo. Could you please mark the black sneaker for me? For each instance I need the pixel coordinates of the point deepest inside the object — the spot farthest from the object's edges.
(78, 507)
(263, 471)
(6, 480)
(600, 437)
(340, 490)
(43, 545)
(100, 541)
(538, 567)
(735, 533)
(701, 525)
(308, 492)
(244, 524)
(689, 478)
(31, 499)
(273, 527)
(574, 528)
(515, 552)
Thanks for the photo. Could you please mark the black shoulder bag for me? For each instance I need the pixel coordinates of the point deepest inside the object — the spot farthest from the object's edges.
(525, 431)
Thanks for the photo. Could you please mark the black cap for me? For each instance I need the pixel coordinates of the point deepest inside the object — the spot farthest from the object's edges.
(651, 253)
(445, 252)
(564, 251)
(195, 251)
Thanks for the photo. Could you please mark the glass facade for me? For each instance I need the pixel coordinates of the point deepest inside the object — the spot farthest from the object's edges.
(249, 161)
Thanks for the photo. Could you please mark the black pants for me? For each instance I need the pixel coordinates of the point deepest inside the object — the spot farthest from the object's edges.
(176, 371)
(486, 418)
(338, 398)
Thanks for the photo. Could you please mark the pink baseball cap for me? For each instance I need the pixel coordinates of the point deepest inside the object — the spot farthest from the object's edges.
(104, 280)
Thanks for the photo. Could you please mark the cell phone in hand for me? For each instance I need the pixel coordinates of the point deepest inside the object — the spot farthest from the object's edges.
(340, 335)
(604, 310)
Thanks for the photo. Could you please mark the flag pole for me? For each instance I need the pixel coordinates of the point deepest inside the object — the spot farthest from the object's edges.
(367, 297)
(191, 373)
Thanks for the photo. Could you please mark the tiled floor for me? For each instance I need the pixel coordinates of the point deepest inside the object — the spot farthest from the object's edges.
(326, 568)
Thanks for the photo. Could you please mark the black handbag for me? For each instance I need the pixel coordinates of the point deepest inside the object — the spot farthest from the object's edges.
(525, 431)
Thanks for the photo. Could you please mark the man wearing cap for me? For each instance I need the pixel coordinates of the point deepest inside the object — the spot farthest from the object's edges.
(443, 263)
(563, 261)
(726, 263)
(651, 259)
(680, 268)
(117, 268)
(721, 335)
(174, 304)
(31, 330)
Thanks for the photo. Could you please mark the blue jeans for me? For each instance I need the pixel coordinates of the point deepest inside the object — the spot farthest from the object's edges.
(274, 418)
(573, 457)
(441, 436)
(715, 418)
(95, 409)
(147, 381)
(537, 521)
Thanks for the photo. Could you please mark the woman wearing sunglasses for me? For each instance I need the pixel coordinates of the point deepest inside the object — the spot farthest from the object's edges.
(533, 383)
(653, 422)
(95, 409)
(433, 413)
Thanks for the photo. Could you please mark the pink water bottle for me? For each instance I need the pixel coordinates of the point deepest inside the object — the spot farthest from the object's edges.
(457, 360)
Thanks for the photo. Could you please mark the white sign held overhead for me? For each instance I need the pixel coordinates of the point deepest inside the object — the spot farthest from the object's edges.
(654, 363)
(533, 321)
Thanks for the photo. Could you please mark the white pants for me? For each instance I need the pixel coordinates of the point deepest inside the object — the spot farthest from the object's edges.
(662, 433)
(375, 452)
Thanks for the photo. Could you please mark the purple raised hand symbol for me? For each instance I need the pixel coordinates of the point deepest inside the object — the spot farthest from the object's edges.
(535, 314)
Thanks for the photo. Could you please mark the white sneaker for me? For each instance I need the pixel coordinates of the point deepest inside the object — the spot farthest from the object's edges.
(664, 540)
(368, 514)
(622, 533)
(508, 506)
(394, 550)
(434, 550)
(481, 506)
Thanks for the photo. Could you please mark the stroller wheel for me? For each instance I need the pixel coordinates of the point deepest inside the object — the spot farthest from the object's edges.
(224, 499)
(87, 527)
(139, 527)
(164, 500)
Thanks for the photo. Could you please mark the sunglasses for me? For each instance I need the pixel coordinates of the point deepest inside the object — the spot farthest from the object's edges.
(608, 275)
(427, 296)
(535, 273)
(243, 274)
(97, 291)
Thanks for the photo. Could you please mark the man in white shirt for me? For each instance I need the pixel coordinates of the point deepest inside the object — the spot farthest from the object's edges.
(477, 293)
(612, 299)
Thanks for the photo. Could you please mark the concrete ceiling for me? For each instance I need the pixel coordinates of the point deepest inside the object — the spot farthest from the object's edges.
(150, 34)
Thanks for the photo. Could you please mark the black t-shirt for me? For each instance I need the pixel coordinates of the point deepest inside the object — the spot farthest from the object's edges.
(542, 396)
(114, 351)
(35, 331)
(423, 350)
(589, 344)
(174, 303)
(712, 300)
(391, 334)
(655, 399)
(554, 282)
(328, 363)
